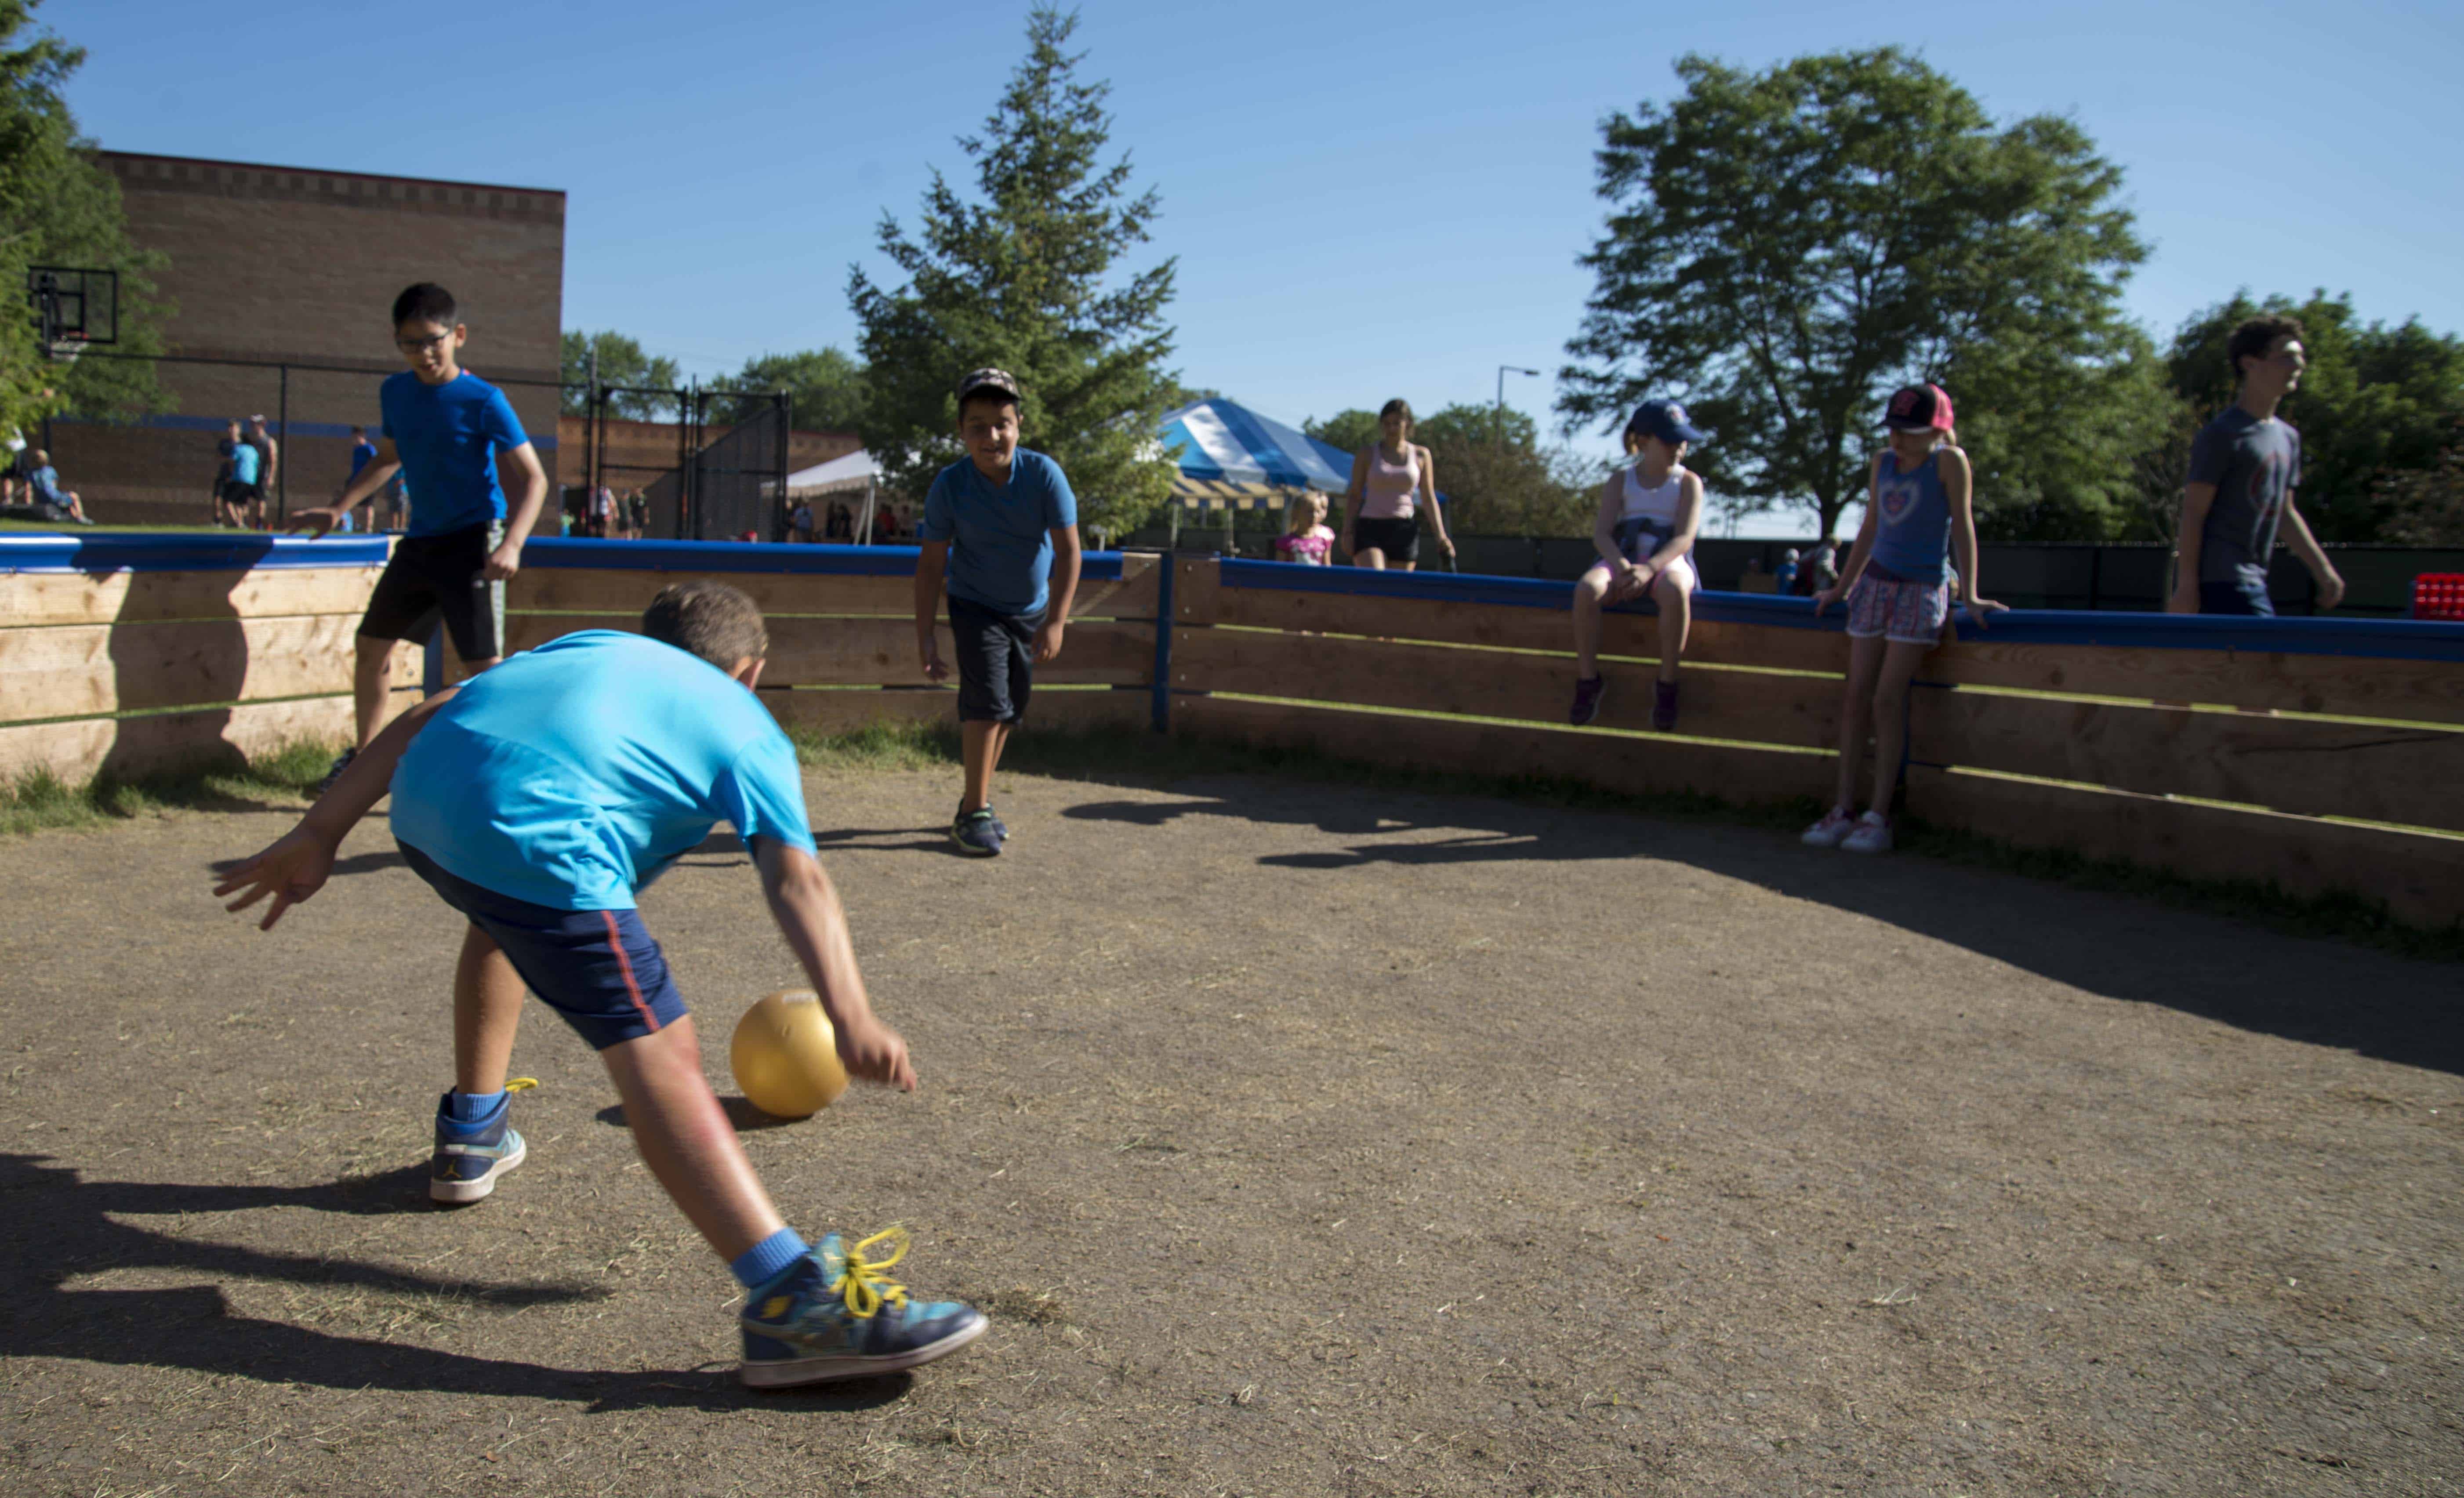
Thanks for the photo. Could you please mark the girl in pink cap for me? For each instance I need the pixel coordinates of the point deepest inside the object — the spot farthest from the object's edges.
(1897, 581)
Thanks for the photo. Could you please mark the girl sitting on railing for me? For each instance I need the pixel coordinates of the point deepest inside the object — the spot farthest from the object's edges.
(1898, 581)
(1648, 515)
(1308, 538)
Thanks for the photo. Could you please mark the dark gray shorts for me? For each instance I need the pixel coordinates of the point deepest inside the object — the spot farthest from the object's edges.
(996, 661)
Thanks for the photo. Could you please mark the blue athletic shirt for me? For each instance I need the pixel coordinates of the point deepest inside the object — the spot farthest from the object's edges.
(363, 453)
(244, 458)
(448, 436)
(572, 774)
(1912, 542)
(1000, 535)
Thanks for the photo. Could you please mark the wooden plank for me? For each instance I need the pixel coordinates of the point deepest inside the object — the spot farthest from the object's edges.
(2409, 776)
(1753, 706)
(1195, 590)
(842, 712)
(879, 652)
(629, 592)
(81, 669)
(2420, 876)
(221, 737)
(1632, 765)
(1508, 627)
(2422, 692)
(36, 599)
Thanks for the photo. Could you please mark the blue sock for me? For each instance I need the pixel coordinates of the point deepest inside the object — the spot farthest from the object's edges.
(470, 1112)
(763, 1261)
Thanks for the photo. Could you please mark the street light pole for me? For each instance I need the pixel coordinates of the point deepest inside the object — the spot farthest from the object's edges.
(1497, 426)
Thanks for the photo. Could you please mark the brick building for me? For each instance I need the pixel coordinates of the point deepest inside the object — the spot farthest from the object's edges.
(273, 266)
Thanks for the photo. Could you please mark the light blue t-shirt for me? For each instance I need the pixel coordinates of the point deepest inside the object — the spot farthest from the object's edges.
(572, 774)
(1000, 535)
(244, 462)
(448, 436)
(1912, 540)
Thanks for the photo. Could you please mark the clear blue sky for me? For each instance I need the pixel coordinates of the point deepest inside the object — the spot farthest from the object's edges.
(1367, 199)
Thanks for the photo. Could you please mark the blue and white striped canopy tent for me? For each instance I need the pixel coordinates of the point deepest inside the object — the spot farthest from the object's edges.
(1232, 456)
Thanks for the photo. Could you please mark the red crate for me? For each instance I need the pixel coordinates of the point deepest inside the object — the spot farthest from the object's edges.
(2438, 595)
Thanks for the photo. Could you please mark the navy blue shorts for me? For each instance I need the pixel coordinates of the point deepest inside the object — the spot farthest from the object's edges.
(996, 661)
(599, 969)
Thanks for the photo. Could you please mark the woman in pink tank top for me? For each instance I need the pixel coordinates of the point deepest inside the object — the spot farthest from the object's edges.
(1394, 483)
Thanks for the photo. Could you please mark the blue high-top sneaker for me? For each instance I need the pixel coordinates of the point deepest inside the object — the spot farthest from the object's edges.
(833, 1315)
(467, 1161)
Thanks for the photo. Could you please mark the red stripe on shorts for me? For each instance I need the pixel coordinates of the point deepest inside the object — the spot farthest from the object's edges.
(616, 945)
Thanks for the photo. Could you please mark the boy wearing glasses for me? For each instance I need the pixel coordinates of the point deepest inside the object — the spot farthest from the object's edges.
(2244, 468)
(444, 427)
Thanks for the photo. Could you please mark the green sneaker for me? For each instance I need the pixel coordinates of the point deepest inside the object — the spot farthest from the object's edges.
(833, 1315)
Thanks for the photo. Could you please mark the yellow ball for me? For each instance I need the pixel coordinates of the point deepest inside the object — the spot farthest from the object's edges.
(785, 1057)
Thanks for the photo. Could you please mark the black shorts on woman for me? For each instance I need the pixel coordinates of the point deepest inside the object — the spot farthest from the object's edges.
(1398, 537)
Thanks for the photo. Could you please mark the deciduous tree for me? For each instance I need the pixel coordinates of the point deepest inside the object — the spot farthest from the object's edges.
(1785, 247)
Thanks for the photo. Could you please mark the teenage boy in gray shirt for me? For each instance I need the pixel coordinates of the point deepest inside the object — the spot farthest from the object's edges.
(2244, 468)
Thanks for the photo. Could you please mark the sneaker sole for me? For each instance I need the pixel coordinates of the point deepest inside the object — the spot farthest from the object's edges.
(789, 1373)
(461, 1193)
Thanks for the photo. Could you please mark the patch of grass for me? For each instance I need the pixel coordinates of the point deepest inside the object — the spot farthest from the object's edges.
(40, 800)
(1136, 756)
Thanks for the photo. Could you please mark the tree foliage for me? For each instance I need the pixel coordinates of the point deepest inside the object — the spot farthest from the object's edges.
(59, 208)
(826, 385)
(2425, 506)
(1024, 281)
(623, 366)
(1514, 487)
(2376, 402)
(1784, 248)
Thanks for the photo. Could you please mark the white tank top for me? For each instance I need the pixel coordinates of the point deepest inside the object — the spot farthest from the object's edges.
(1657, 505)
(1647, 518)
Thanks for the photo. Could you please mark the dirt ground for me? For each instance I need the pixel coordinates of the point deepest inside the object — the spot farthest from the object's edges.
(1301, 1139)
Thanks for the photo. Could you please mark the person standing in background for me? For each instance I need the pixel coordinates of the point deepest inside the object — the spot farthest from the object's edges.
(269, 459)
(2244, 467)
(1394, 482)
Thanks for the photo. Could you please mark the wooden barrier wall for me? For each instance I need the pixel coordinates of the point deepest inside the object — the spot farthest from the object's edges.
(2049, 730)
(127, 655)
(842, 626)
(2322, 755)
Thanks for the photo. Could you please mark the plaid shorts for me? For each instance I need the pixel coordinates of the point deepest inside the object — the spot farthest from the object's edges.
(1911, 613)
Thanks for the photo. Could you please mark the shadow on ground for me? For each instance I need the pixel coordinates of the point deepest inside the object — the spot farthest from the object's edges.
(59, 1228)
(2235, 973)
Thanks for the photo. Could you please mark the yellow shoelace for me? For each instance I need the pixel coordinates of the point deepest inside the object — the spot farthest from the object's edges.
(522, 1084)
(862, 1282)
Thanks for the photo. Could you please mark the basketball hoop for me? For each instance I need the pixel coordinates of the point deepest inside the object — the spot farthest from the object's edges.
(75, 308)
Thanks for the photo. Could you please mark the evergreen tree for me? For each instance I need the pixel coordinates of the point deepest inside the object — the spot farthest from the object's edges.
(1023, 281)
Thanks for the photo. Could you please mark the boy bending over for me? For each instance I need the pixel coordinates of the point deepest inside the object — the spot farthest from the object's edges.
(537, 800)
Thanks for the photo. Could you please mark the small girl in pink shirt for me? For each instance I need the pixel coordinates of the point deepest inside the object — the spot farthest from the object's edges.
(1307, 539)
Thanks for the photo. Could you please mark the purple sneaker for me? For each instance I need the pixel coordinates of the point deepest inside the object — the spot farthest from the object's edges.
(1588, 692)
(1664, 705)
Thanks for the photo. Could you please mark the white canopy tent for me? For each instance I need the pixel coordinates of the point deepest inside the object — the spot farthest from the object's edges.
(844, 474)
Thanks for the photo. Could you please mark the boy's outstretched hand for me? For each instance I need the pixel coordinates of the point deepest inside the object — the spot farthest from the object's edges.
(291, 870)
(873, 1051)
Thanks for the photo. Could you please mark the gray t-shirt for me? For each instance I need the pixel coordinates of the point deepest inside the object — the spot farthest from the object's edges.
(2255, 465)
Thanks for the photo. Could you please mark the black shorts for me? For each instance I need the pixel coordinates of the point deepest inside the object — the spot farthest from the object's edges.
(1398, 538)
(996, 661)
(236, 493)
(432, 575)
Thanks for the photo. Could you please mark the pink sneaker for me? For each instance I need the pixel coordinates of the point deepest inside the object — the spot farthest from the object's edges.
(1827, 832)
(1872, 834)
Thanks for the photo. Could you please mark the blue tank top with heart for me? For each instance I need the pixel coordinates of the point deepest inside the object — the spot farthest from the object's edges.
(1912, 516)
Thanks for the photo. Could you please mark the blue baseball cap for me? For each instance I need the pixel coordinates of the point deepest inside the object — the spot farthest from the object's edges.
(1667, 421)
